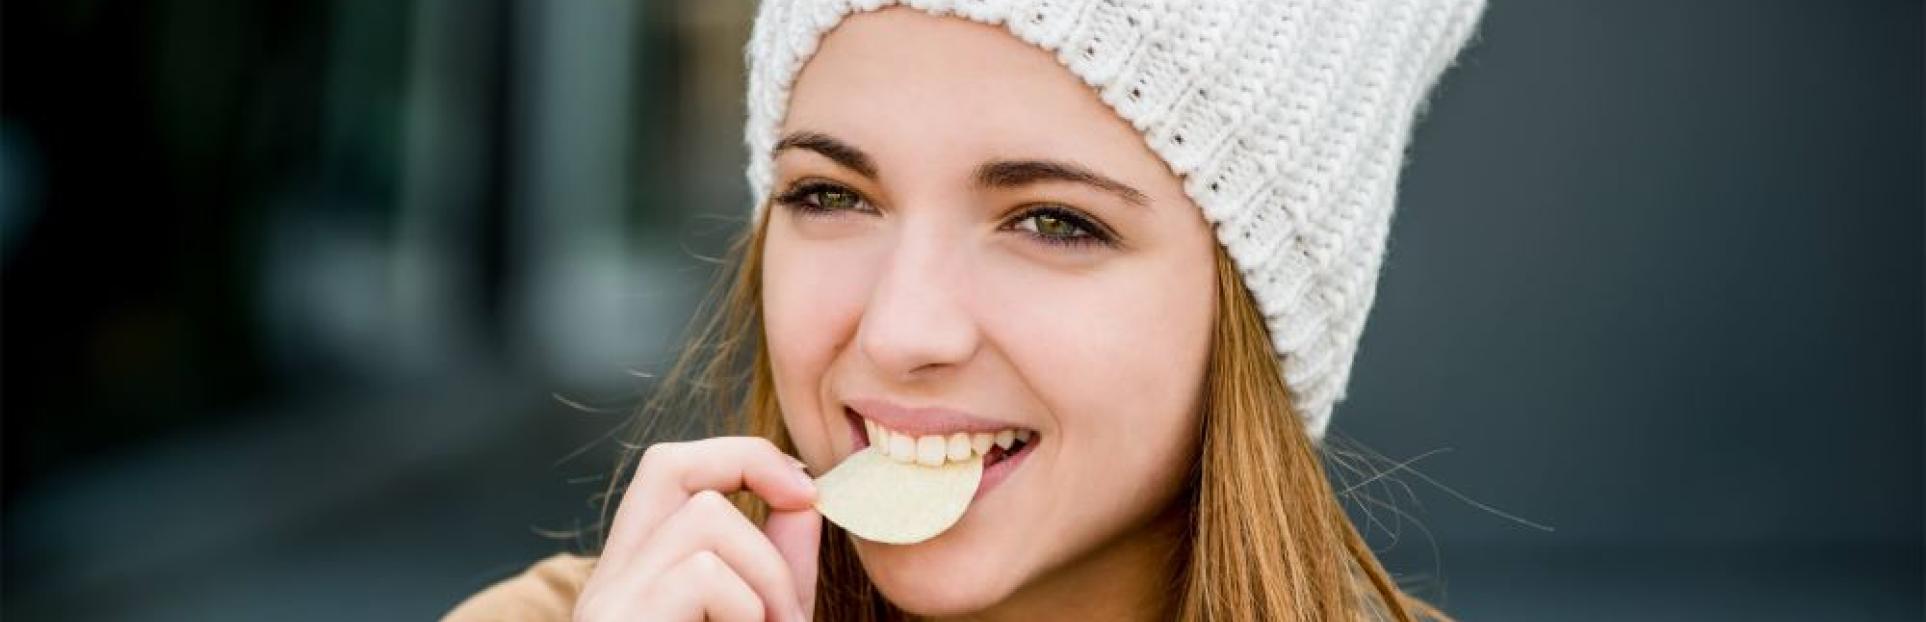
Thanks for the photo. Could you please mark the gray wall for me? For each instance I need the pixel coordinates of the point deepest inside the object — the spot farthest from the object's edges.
(1655, 283)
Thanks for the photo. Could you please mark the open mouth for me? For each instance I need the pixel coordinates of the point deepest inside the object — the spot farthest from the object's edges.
(936, 448)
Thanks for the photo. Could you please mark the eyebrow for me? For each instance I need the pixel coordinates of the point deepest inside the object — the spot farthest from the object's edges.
(1015, 173)
(993, 174)
(838, 151)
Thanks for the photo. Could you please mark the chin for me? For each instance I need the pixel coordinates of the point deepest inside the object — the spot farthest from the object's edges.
(941, 577)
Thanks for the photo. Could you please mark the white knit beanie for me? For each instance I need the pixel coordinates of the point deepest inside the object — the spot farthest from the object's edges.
(1287, 120)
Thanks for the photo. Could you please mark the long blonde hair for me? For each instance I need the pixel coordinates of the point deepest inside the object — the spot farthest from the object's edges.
(1266, 536)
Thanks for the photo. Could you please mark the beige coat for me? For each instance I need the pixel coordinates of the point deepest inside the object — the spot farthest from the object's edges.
(544, 592)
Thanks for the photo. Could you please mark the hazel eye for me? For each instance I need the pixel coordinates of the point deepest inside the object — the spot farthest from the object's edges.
(1059, 226)
(835, 199)
(1051, 226)
(823, 198)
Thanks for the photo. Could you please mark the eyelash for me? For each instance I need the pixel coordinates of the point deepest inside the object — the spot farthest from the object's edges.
(799, 200)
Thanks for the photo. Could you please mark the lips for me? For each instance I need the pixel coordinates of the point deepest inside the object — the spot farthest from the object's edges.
(916, 422)
(934, 436)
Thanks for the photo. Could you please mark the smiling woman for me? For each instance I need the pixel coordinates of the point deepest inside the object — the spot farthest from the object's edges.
(1118, 254)
(1017, 253)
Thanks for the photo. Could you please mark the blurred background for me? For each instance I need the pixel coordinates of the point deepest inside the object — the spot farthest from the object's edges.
(323, 310)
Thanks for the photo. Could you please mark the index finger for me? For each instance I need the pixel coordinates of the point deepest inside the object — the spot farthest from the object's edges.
(669, 473)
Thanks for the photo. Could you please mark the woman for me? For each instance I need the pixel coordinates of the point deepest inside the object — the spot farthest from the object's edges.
(1144, 238)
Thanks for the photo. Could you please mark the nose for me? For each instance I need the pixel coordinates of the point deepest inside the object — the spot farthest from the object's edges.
(917, 322)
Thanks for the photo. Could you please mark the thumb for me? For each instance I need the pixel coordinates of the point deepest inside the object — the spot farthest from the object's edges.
(797, 535)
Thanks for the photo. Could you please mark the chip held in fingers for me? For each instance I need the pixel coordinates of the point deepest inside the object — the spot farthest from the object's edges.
(880, 499)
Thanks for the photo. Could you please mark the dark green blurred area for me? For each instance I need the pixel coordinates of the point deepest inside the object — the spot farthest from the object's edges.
(291, 289)
(214, 204)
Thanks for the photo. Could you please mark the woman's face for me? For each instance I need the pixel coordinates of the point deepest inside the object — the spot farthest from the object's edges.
(959, 224)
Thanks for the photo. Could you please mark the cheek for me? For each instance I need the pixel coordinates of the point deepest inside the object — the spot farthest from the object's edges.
(1137, 336)
(1120, 361)
(1117, 358)
(812, 298)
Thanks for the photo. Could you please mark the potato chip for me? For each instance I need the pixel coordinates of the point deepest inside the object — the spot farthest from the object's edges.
(882, 500)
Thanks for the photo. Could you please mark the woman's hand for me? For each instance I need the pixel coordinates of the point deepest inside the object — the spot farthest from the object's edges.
(678, 550)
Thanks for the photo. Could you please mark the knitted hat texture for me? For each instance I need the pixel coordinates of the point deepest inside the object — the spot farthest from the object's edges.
(1286, 119)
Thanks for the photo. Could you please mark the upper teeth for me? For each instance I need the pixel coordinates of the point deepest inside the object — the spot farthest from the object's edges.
(935, 449)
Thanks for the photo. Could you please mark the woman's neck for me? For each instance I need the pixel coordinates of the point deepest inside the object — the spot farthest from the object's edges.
(1130, 577)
